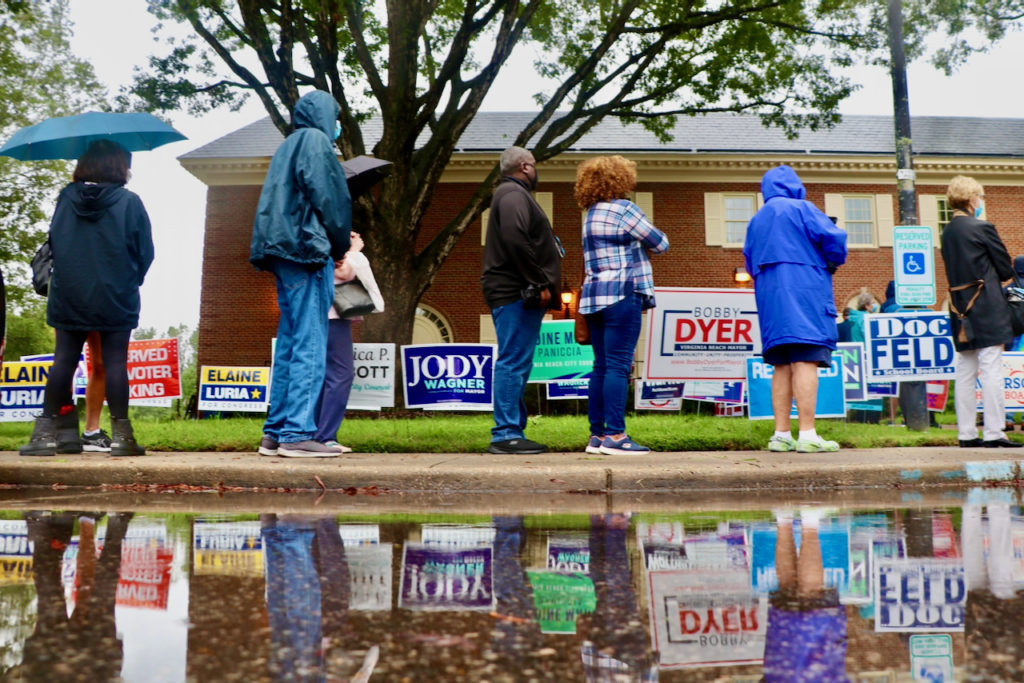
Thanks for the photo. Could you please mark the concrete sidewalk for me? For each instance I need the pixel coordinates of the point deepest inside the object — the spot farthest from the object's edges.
(473, 473)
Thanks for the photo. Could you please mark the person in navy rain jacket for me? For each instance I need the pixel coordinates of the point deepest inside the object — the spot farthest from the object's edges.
(791, 250)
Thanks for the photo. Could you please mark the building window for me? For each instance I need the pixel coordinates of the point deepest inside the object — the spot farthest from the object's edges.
(739, 209)
(945, 213)
(860, 223)
(430, 327)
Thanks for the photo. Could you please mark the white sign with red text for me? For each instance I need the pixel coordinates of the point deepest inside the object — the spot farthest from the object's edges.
(701, 334)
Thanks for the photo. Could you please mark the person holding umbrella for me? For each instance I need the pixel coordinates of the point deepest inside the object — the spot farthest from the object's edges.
(102, 248)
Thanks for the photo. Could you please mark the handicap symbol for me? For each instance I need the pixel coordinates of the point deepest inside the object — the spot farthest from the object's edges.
(913, 263)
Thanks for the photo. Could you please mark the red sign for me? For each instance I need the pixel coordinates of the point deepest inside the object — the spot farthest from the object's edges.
(153, 369)
(145, 576)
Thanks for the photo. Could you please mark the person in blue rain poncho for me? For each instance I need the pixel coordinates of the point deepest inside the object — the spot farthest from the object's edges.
(303, 223)
(791, 251)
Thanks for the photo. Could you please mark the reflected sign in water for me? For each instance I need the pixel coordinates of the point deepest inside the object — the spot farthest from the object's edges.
(805, 594)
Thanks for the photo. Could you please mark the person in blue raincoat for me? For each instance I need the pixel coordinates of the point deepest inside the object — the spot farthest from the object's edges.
(791, 250)
(303, 222)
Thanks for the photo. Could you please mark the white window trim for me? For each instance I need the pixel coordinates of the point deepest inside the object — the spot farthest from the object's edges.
(714, 217)
(882, 216)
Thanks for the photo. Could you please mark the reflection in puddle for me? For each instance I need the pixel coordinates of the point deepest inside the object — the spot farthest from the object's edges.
(806, 594)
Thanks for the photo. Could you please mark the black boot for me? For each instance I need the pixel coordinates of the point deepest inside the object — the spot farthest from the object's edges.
(122, 438)
(68, 439)
(44, 438)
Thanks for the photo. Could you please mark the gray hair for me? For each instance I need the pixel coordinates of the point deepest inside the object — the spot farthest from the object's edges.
(512, 158)
(865, 301)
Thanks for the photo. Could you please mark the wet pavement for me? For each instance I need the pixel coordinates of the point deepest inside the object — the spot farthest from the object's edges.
(111, 584)
(695, 566)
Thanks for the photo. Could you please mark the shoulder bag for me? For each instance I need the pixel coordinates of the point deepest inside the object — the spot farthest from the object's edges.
(42, 267)
(966, 333)
(1015, 298)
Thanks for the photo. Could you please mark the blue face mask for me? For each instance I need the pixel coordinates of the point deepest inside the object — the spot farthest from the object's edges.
(337, 130)
(979, 210)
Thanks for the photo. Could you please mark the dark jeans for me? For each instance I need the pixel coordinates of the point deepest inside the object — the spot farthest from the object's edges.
(65, 360)
(338, 378)
(613, 333)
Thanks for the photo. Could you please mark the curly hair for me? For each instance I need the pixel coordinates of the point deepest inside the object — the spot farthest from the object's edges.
(602, 179)
(962, 189)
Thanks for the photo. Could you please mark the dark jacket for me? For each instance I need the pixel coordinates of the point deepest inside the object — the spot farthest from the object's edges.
(972, 250)
(304, 214)
(520, 248)
(102, 248)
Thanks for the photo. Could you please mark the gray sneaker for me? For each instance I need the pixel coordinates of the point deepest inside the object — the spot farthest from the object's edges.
(268, 445)
(96, 443)
(306, 449)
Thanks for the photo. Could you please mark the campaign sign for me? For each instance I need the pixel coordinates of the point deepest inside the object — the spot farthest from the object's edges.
(662, 390)
(154, 375)
(1013, 383)
(701, 334)
(706, 617)
(938, 396)
(374, 384)
(234, 388)
(831, 401)
(882, 389)
(557, 356)
(448, 376)
(834, 540)
(919, 595)
(22, 385)
(854, 386)
(714, 392)
(641, 403)
(573, 388)
(446, 578)
(569, 554)
(909, 347)
(560, 598)
(227, 548)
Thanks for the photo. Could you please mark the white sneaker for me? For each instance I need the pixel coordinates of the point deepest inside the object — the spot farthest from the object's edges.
(818, 445)
(306, 449)
(781, 444)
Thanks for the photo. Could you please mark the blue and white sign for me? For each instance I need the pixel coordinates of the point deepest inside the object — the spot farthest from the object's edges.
(448, 376)
(852, 354)
(661, 390)
(571, 388)
(920, 595)
(831, 401)
(913, 254)
(714, 392)
(909, 347)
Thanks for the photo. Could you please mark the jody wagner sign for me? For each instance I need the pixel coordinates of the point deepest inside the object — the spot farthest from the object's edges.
(696, 334)
(448, 376)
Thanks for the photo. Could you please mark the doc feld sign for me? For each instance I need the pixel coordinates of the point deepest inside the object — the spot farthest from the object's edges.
(909, 347)
(701, 334)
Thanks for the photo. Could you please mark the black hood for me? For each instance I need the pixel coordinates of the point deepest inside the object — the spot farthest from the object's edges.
(91, 200)
(1018, 267)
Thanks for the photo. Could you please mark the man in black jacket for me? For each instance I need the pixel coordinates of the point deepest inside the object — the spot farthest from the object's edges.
(521, 271)
(977, 263)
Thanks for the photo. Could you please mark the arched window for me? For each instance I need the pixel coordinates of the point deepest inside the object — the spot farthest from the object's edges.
(430, 327)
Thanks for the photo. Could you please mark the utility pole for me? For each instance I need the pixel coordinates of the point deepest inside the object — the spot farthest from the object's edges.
(913, 396)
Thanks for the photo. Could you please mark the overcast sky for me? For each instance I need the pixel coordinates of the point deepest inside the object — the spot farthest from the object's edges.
(176, 200)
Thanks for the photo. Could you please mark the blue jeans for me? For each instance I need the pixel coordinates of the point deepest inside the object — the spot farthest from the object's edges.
(614, 332)
(518, 330)
(293, 602)
(338, 380)
(304, 297)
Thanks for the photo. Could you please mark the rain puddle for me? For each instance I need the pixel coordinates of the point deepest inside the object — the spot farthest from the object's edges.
(799, 593)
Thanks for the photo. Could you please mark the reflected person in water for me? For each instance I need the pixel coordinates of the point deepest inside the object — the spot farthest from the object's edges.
(806, 637)
(615, 642)
(994, 649)
(83, 646)
(307, 591)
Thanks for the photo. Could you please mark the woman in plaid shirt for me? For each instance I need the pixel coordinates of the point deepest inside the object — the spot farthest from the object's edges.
(617, 287)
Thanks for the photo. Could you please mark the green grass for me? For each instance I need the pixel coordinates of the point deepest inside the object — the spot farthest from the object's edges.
(461, 433)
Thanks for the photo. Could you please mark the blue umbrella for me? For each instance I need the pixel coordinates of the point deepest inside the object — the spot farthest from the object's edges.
(67, 137)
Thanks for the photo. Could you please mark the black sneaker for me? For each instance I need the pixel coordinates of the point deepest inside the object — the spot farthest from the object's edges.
(96, 443)
(516, 447)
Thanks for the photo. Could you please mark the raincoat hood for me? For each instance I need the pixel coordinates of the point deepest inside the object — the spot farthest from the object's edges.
(318, 110)
(91, 200)
(890, 289)
(782, 181)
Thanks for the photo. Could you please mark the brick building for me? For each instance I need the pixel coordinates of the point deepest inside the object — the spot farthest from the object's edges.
(701, 188)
